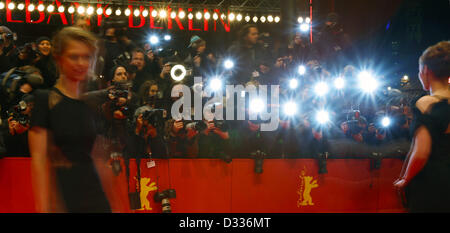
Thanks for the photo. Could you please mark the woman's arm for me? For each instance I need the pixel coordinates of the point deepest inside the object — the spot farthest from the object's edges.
(38, 143)
(419, 156)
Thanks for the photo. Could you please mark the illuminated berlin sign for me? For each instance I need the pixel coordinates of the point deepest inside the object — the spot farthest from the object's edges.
(34, 16)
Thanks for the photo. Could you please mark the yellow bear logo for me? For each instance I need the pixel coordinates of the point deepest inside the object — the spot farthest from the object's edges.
(306, 185)
(146, 188)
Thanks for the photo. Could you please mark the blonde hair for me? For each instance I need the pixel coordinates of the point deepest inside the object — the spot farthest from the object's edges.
(62, 38)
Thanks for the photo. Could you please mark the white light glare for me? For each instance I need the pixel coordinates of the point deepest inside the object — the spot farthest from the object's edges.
(180, 76)
(41, 7)
(256, 106)
(30, 8)
(229, 64)
(301, 70)
(367, 82)
(293, 83)
(216, 84)
(304, 27)
(21, 6)
(339, 83)
(11, 6)
(322, 117)
(50, 8)
(167, 37)
(386, 122)
(307, 20)
(154, 40)
(2, 5)
(321, 89)
(300, 20)
(290, 108)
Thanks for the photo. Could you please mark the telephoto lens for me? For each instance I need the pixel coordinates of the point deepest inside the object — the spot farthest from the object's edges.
(164, 197)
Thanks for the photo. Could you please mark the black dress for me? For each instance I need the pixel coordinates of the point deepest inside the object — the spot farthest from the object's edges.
(72, 126)
(429, 190)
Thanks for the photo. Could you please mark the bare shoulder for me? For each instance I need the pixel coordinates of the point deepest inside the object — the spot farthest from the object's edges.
(424, 104)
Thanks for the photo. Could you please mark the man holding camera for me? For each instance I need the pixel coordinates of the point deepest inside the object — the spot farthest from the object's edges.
(8, 50)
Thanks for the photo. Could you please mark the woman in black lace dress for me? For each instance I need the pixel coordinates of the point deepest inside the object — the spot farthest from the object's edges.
(63, 132)
(425, 177)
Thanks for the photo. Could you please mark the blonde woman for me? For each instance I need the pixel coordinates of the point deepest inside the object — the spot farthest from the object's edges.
(63, 132)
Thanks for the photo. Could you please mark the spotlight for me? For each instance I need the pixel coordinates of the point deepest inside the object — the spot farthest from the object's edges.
(277, 19)
(263, 19)
(293, 83)
(199, 15)
(167, 37)
(222, 16)
(178, 72)
(41, 7)
(2, 5)
(367, 82)
(321, 89)
(301, 69)
(181, 15)
(300, 20)
(405, 79)
(255, 19)
(307, 20)
(136, 12)
(11, 6)
(322, 117)
(304, 27)
(71, 10)
(163, 14)
(339, 83)
(154, 13)
(290, 108)
(99, 11)
(385, 122)
(50, 8)
(207, 15)
(239, 17)
(228, 64)
(118, 12)
(21, 6)
(389, 88)
(145, 13)
(127, 12)
(216, 84)
(257, 106)
(173, 15)
(80, 10)
(231, 17)
(215, 16)
(247, 18)
(154, 40)
(30, 7)
(90, 10)
(108, 11)
(190, 16)
(270, 18)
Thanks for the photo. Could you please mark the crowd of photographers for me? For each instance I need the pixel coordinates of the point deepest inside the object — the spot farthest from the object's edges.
(132, 84)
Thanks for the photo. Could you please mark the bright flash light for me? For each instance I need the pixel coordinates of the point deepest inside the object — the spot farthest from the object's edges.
(154, 13)
(304, 27)
(99, 11)
(71, 10)
(198, 15)
(321, 89)
(90, 10)
(190, 16)
(247, 18)
(167, 37)
(215, 16)
(301, 70)
(255, 19)
(41, 7)
(163, 14)
(2, 5)
(216, 84)
(145, 13)
(11, 6)
(229, 64)
(367, 82)
(263, 19)
(322, 117)
(207, 16)
(256, 106)
(277, 19)
(21, 6)
(231, 17)
(30, 7)
(154, 40)
(339, 83)
(405, 78)
(290, 108)
(270, 18)
(181, 15)
(80, 10)
(127, 12)
(239, 17)
(385, 122)
(108, 11)
(118, 12)
(300, 20)
(307, 20)
(293, 83)
(136, 12)
(50, 8)
(173, 15)
(178, 72)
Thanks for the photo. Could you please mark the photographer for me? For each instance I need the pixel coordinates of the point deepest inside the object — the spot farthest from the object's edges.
(8, 50)
(149, 130)
(201, 61)
(16, 140)
(138, 59)
(45, 62)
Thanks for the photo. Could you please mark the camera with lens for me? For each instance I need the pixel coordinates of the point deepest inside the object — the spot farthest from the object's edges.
(29, 53)
(164, 197)
(18, 114)
(120, 90)
(156, 118)
(8, 36)
(12, 80)
(354, 121)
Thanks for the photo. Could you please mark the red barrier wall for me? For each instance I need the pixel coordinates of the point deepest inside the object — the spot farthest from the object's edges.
(212, 186)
